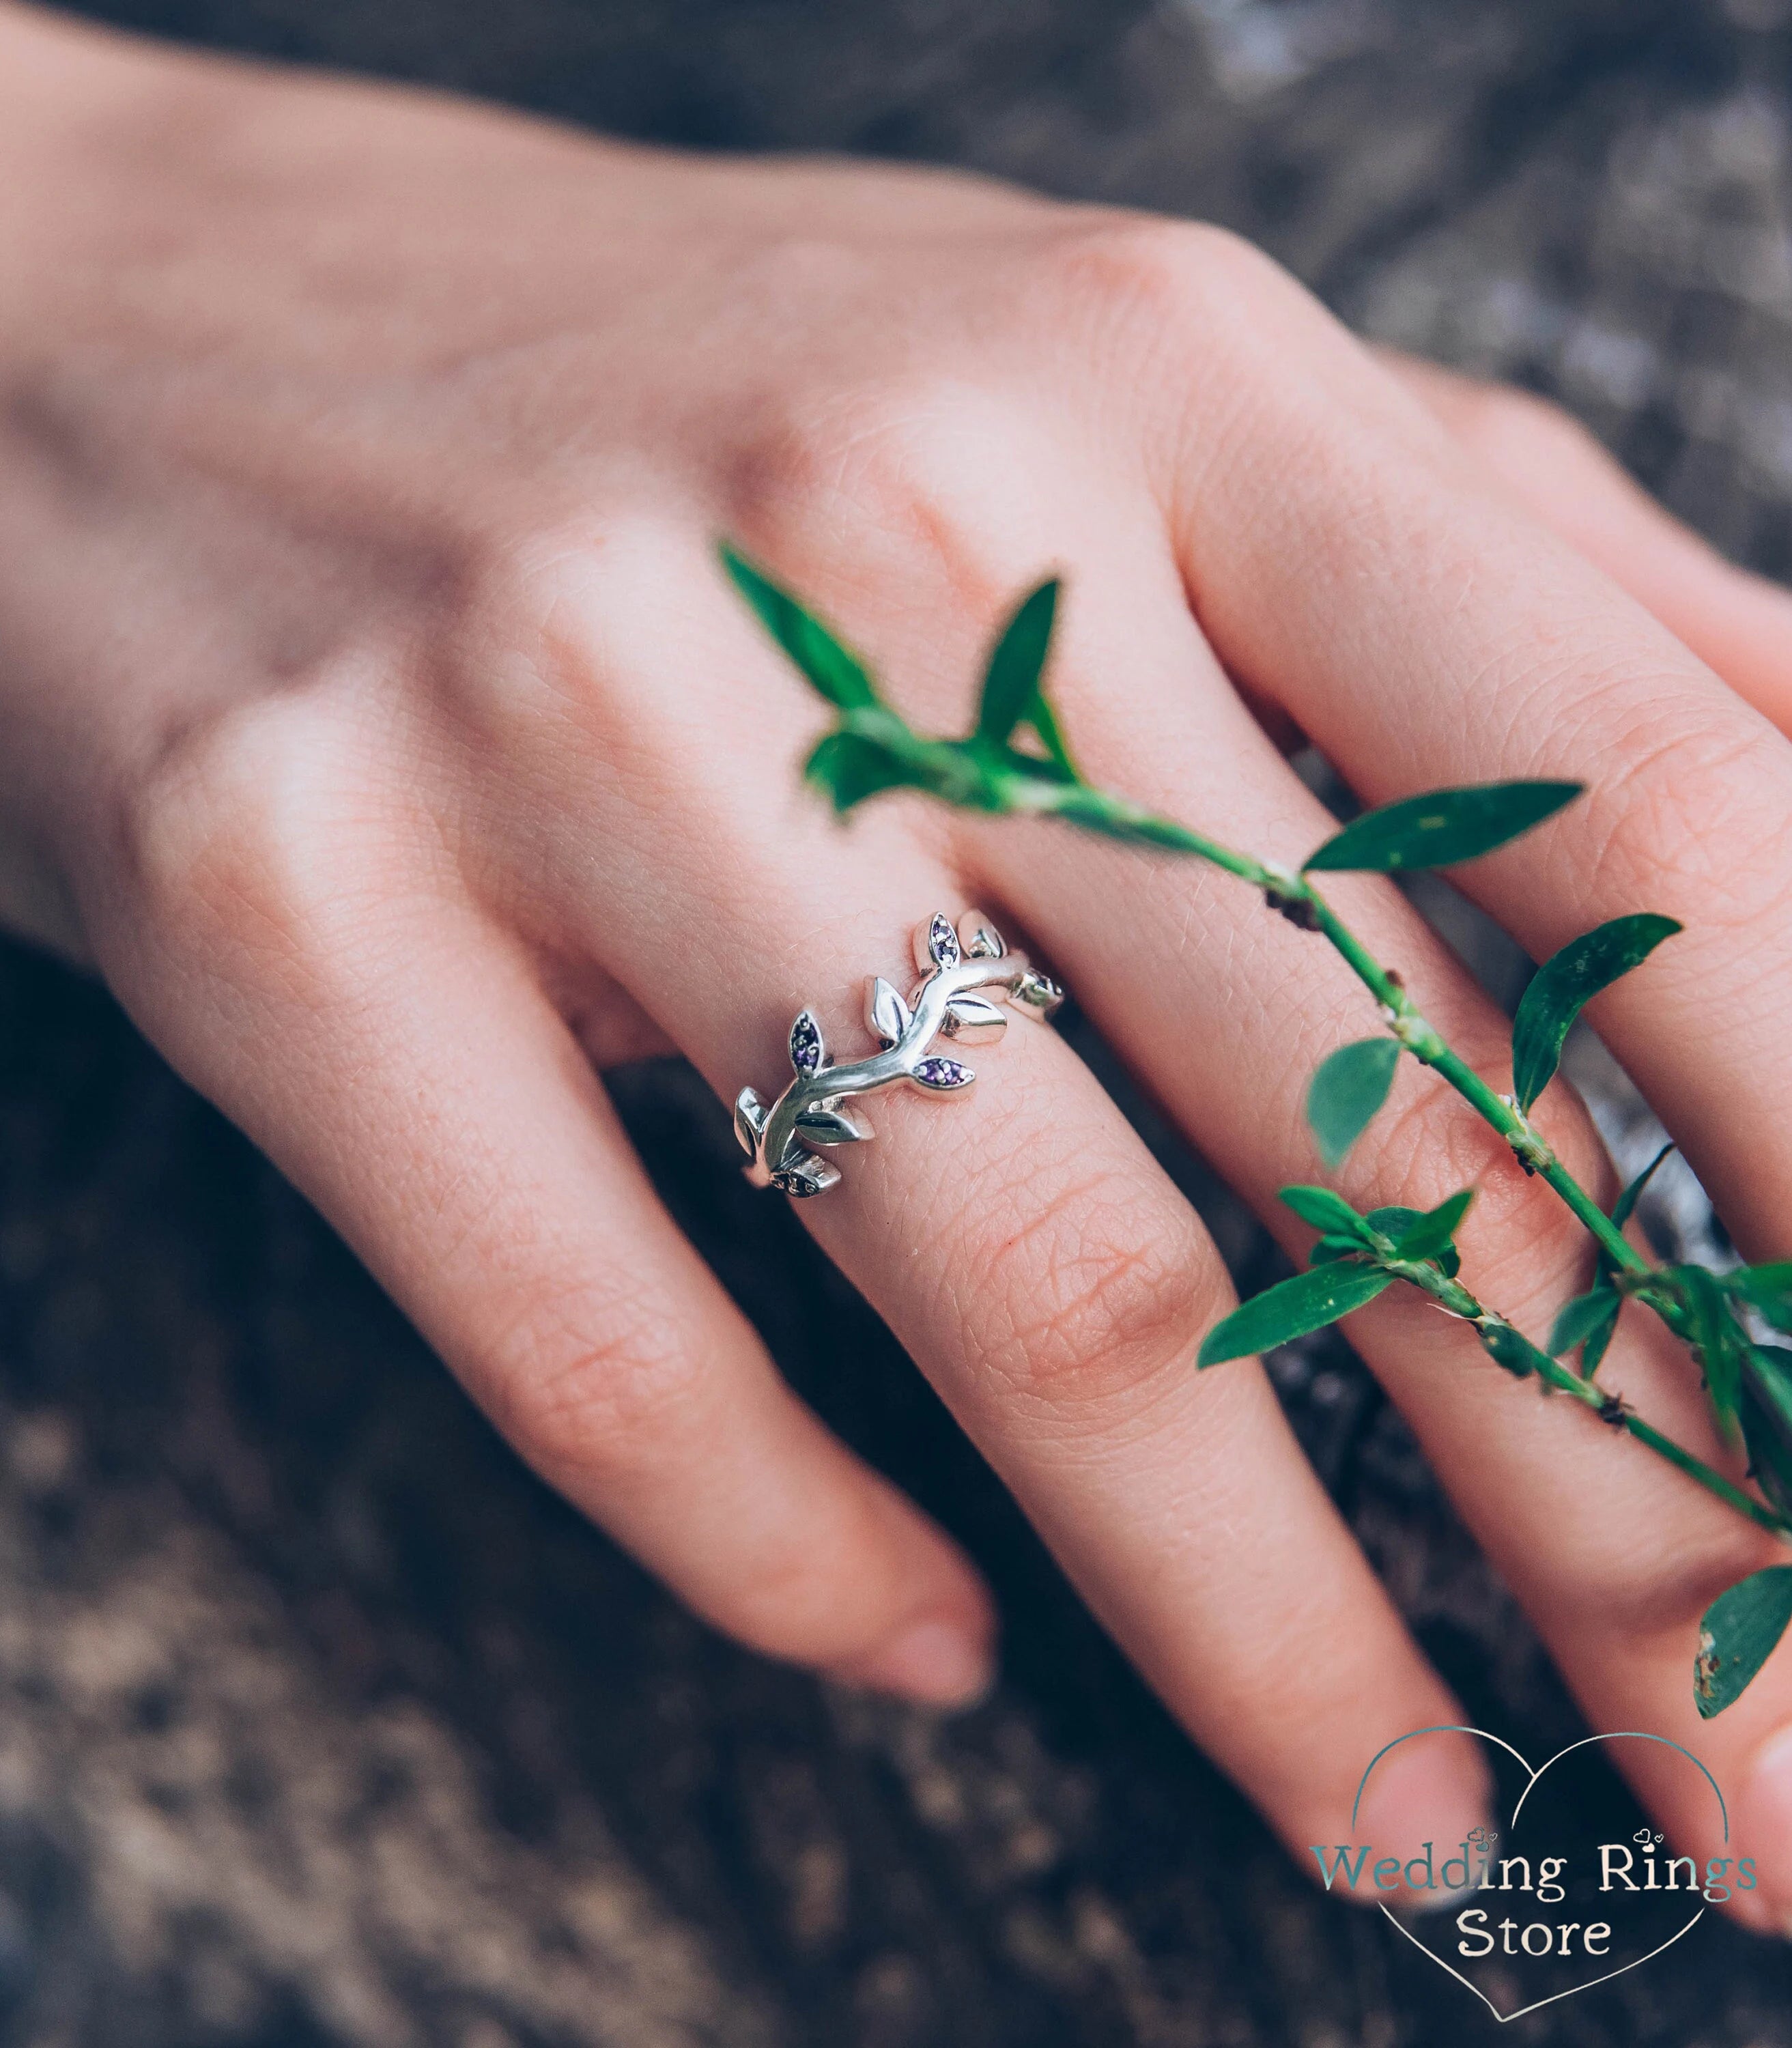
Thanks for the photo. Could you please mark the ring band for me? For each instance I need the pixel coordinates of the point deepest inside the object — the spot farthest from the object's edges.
(962, 968)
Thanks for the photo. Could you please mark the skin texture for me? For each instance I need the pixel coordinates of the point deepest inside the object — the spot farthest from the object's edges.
(377, 722)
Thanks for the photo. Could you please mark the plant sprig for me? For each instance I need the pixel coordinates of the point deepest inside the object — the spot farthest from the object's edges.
(1015, 762)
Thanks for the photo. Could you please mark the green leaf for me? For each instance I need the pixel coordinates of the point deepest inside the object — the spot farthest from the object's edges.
(1587, 1315)
(840, 676)
(1011, 691)
(1766, 1421)
(1716, 1338)
(849, 768)
(1393, 1223)
(1741, 1630)
(1767, 1289)
(1597, 1341)
(1432, 1231)
(1625, 1206)
(1444, 827)
(1326, 1212)
(1595, 1346)
(1334, 1245)
(1507, 1347)
(1308, 1302)
(1044, 721)
(1348, 1088)
(1561, 988)
(1771, 1281)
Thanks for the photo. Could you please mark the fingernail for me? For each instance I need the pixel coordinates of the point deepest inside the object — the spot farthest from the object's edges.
(938, 1662)
(1422, 1805)
(1765, 1817)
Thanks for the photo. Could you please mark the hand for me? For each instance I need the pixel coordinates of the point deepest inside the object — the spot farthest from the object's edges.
(377, 721)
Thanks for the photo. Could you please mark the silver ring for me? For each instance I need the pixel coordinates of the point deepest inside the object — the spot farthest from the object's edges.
(962, 968)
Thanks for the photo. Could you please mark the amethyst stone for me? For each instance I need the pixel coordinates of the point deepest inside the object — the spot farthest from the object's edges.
(805, 1044)
(939, 1073)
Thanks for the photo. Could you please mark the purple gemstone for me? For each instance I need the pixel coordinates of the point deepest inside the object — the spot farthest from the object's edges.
(805, 1044)
(942, 940)
(938, 1073)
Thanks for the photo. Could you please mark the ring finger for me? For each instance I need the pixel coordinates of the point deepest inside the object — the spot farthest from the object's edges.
(1024, 1245)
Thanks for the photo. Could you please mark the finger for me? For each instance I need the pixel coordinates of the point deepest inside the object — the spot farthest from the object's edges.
(1023, 1244)
(397, 1059)
(1425, 635)
(1551, 468)
(1432, 636)
(1225, 1011)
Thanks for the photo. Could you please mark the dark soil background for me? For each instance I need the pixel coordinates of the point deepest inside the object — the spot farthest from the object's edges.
(321, 1724)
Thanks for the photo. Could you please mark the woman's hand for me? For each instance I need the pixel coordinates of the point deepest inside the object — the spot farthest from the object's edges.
(376, 718)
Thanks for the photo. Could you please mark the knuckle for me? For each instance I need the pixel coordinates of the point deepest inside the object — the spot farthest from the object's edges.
(251, 831)
(1168, 277)
(1171, 263)
(1523, 1248)
(593, 1388)
(897, 454)
(1685, 796)
(544, 662)
(1425, 1150)
(1516, 429)
(1094, 1295)
(519, 629)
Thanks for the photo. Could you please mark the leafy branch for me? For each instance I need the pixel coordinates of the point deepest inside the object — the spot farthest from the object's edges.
(1015, 762)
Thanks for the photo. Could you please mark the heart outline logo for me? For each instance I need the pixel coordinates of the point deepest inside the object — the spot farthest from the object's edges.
(1532, 1775)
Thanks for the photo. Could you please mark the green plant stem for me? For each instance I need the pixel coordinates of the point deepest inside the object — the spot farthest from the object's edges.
(1452, 1296)
(1425, 1045)
(1113, 817)
(977, 774)
(1294, 894)
(1713, 1482)
(1295, 897)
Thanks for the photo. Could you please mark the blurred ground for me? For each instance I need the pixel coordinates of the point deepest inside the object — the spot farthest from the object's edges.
(321, 1726)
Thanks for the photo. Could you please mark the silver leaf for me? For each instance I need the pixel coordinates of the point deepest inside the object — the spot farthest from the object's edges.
(979, 937)
(974, 1020)
(1037, 993)
(821, 1124)
(749, 1120)
(886, 1012)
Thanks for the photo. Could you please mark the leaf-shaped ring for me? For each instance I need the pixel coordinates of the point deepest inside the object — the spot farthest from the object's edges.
(969, 981)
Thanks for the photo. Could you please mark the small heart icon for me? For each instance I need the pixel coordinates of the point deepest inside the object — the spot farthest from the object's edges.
(1644, 1900)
